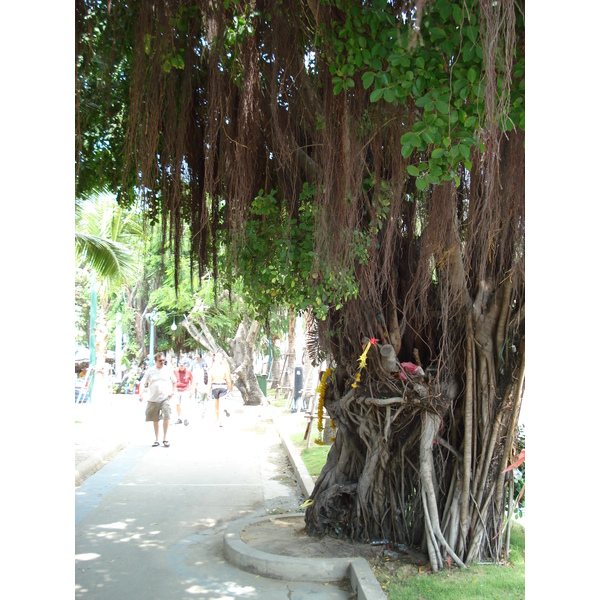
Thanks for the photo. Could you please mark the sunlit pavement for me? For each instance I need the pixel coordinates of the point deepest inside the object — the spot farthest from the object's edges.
(150, 523)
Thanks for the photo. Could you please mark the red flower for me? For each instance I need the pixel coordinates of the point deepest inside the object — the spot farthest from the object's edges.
(373, 341)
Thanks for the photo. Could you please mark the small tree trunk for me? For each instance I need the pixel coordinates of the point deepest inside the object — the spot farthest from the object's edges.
(287, 378)
(244, 374)
(100, 389)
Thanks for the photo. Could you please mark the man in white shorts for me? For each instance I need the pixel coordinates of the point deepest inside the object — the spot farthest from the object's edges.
(161, 384)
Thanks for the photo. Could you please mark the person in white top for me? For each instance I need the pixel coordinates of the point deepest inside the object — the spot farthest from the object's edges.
(162, 384)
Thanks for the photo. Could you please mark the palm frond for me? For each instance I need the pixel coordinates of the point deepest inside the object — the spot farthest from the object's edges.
(110, 259)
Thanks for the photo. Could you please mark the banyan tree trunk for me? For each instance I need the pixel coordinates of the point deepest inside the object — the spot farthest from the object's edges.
(425, 466)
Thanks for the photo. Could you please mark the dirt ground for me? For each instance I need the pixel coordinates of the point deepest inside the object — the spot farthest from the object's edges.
(286, 536)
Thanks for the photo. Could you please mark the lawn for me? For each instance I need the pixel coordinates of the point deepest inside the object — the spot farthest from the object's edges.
(314, 458)
(478, 581)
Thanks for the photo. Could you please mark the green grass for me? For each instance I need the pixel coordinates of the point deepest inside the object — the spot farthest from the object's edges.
(314, 458)
(478, 581)
(280, 403)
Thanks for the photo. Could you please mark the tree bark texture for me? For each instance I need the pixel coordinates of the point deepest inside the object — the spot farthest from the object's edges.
(425, 467)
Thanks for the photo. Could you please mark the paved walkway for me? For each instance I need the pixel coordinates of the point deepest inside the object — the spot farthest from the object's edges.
(151, 522)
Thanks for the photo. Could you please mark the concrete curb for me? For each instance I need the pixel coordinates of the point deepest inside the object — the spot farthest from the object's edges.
(95, 462)
(304, 479)
(320, 570)
(363, 581)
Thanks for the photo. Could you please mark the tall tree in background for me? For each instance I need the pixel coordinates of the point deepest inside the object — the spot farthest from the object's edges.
(365, 161)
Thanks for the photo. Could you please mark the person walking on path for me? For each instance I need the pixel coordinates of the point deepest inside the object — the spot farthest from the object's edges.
(162, 385)
(184, 383)
(219, 382)
(200, 374)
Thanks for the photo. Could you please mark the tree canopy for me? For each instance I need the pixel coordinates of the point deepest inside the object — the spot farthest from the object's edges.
(364, 161)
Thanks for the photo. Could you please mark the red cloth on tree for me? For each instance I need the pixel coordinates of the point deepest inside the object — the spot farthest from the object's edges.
(408, 367)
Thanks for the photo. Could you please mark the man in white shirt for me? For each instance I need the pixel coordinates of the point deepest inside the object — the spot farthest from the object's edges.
(161, 384)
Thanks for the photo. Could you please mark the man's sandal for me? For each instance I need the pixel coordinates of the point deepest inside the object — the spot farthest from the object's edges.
(155, 444)
(166, 444)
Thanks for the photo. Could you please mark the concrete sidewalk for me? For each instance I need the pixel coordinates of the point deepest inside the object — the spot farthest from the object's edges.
(168, 522)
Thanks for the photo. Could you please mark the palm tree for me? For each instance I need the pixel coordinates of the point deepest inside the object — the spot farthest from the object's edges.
(104, 244)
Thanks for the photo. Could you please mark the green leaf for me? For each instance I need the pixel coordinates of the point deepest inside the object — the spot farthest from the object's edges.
(428, 137)
(472, 75)
(407, 150)
(415, 140)
(421, 184)
(405, 139)
(412, 170)
(376, 95)
(437, 33)
(438, 152)
(420, 62)
(445, 11)
(367, 78)
(468, 52)
(423, 100)
(337, 88)
(442, 106)
(471, 32)
(457, 13)
(389, 95)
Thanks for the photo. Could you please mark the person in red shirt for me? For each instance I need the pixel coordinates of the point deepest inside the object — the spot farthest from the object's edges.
(184, 385)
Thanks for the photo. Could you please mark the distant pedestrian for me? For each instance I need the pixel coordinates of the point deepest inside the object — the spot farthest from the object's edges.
(219, 382)
(184, 385)
(200, 373)
(161, 384)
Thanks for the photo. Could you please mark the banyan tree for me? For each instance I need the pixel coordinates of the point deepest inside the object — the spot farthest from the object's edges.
(362, 161)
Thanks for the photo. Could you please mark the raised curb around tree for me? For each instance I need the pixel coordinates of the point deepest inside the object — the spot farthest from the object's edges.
(319, 570)
(302, 475)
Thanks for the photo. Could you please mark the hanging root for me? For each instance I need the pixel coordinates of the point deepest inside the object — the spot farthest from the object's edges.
(435, 538)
